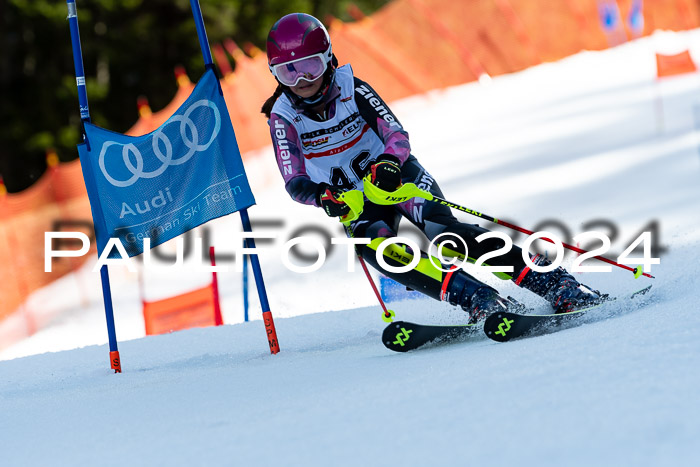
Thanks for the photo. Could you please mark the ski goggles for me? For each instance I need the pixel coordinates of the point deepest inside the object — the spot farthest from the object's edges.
(308, 68)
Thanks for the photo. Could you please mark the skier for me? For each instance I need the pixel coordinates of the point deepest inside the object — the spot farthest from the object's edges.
(329, 129)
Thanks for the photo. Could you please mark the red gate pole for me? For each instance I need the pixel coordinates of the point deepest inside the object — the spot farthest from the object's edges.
(218, 320)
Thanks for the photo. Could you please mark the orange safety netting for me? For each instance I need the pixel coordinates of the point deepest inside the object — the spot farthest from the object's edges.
(57, 201)
(413, 46)
(405, 48)
(188, 310)
(671, 65)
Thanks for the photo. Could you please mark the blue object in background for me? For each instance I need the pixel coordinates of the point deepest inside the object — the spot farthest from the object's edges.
(635, 20)
(392, 291)
(609, 15)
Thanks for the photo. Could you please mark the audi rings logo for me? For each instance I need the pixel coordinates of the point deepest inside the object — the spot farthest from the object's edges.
(137, 171)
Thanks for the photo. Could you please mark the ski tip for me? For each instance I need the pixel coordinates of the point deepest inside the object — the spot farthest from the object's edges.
(497, 326)
(396, 335)
(641, 292)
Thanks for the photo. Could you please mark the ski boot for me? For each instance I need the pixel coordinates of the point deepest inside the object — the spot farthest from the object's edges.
(559, 288)
(473, 296)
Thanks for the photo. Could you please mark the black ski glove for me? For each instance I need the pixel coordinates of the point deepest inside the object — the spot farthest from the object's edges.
(386, 172)
(328, 200)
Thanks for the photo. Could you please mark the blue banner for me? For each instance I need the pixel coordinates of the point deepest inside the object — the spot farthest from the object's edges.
(160, 185)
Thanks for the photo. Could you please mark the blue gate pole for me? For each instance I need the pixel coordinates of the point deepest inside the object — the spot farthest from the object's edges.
(245, 284)
(201, 33)
(85, 117)
(260, 284)
(255, 262)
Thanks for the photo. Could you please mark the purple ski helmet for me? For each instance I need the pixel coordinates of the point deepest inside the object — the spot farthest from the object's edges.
(296, 36)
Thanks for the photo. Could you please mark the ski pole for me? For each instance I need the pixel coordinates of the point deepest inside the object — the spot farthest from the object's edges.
(388, 315)
(355, 200)
(410, 190)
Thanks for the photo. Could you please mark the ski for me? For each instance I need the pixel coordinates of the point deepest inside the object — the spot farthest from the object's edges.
(402, 336)
(504, 326)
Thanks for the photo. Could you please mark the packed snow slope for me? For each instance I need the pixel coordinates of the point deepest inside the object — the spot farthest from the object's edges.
(591, 138)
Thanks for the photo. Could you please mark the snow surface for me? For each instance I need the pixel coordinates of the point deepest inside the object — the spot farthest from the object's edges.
(590, 137)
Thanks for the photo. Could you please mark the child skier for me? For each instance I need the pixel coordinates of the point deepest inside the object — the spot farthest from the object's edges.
(330, 129)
